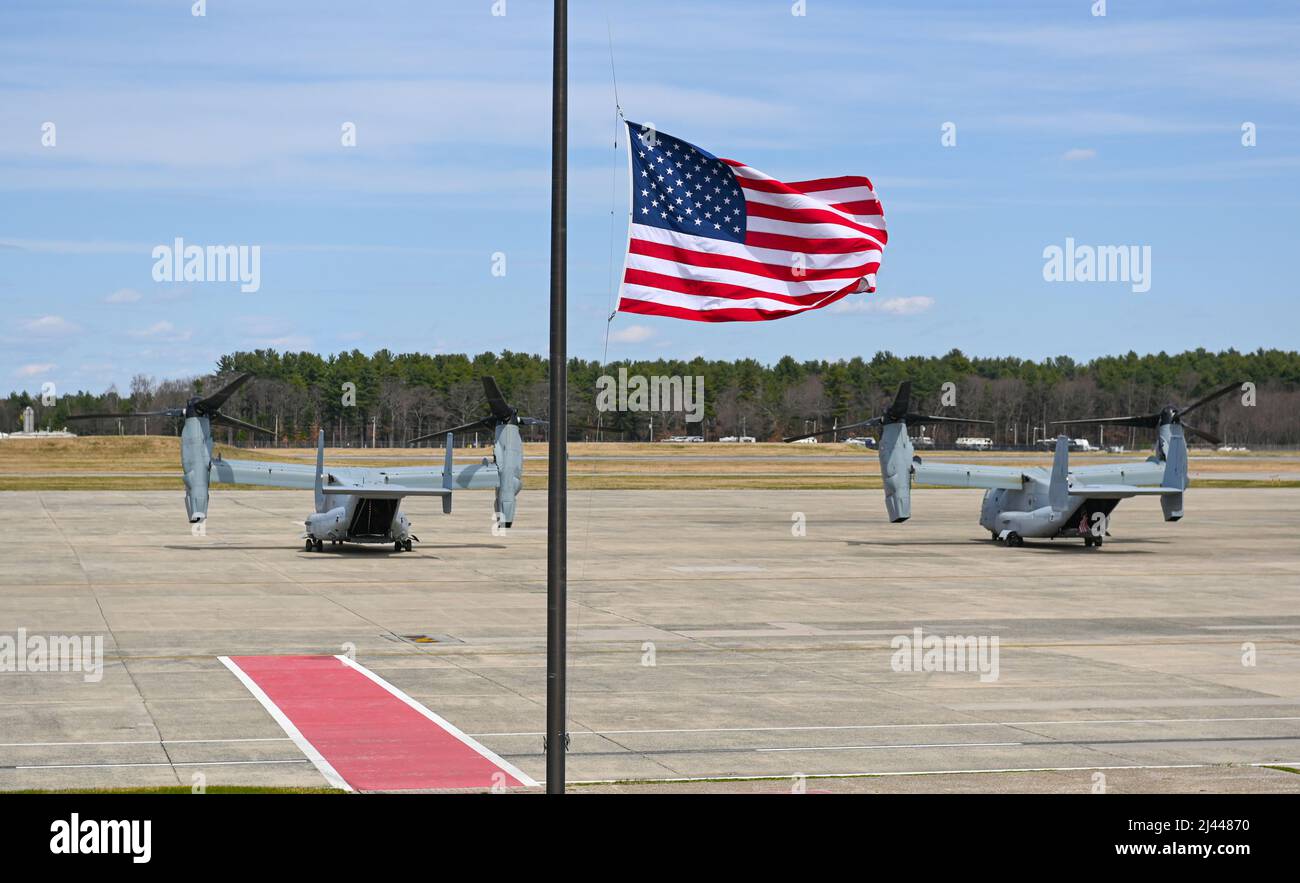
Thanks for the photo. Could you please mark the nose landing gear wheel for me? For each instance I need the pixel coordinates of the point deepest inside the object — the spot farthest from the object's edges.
(320, 545)
(397, 546)
(406, 546)
(1015, 539)
(308, 547)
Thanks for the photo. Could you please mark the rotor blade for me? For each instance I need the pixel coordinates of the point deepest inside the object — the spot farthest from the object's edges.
(218, 398)
(902, 401)
(226, 420)
(455, 430)
(1209, 398)
(170, 412)
(1208, 436)
(1148, 420)
(874, 421)
(935, 418)
(501, 409)
(533, 421)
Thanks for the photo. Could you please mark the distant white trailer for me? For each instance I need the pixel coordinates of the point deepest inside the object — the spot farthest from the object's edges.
(974, 444)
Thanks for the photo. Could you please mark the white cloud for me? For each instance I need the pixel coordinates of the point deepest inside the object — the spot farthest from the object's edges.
(632, 334)
(123, 296)
(893, 306)
(162, 329)
(35, 370)
(48, 326)
(1075, 154)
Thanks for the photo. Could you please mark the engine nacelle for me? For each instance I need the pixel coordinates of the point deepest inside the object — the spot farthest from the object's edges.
(509, 454)
(896, 470)
(196, 462)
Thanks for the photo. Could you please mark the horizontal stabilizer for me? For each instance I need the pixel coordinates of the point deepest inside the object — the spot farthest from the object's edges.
(383, 491)
(1118, 491)
(959, 475)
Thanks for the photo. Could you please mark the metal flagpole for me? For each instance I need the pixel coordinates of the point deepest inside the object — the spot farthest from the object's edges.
(557, 478)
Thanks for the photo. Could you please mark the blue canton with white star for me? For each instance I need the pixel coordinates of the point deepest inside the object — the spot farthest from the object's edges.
(678, 186)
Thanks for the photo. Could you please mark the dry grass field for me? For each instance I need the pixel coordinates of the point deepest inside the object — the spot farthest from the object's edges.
(153, 463)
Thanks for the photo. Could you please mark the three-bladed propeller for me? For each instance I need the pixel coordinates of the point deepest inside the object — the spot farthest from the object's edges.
(899, 411)
(501, 410)
(197, 406)
(1169, 414)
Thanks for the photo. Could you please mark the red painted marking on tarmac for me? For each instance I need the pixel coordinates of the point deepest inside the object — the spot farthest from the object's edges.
(371, 737)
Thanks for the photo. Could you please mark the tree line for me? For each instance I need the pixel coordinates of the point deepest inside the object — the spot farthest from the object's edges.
(386, 399)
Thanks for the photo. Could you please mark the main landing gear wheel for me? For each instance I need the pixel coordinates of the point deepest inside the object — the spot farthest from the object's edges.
(1015, 539)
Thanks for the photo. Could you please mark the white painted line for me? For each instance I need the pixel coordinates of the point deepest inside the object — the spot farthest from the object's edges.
(82, 766)
(864, 775)
(718, 568)
(931, 745)
(141, 742)
(487, 753)
(1166, 720)
(322, 765)
(1238, 628)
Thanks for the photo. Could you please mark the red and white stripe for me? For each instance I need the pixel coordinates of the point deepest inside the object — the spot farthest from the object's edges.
(807, 244)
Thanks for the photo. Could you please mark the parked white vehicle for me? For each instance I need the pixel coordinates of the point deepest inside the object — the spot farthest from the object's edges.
(974, 444)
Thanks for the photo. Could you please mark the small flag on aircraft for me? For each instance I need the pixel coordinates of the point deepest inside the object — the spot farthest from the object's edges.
(714, 240)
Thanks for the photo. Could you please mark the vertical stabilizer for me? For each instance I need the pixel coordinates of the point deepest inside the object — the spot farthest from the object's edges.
(1175, 475)
(1058, 489)
(447, 475)
(320, 471)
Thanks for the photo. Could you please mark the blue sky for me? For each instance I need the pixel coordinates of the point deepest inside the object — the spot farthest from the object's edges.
(1115, 130)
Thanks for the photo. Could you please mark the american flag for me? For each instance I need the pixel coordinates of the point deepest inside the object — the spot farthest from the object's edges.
(714, 240)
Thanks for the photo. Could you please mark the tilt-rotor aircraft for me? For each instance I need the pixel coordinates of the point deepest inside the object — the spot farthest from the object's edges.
(1035, 502)
(353, 504)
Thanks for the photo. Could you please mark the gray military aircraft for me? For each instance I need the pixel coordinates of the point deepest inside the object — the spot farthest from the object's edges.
(353, 504)
(1034, 502)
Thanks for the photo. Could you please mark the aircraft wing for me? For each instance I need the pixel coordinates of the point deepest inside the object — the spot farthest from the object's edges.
(1118, 491)
(291, 475)
(383, 491)
(1144, 472)
(961, 475)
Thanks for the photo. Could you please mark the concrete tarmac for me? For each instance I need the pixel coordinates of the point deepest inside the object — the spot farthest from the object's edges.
(719, 640)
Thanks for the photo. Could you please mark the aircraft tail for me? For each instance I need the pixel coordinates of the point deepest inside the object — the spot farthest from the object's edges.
(1058, 488)
(1175, 476)
(320, 470)
(447, 476)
